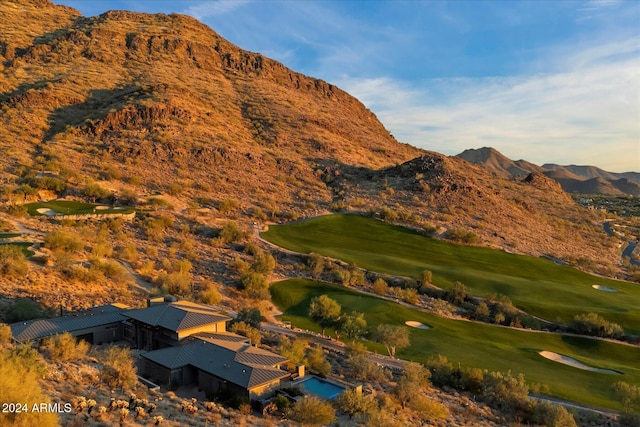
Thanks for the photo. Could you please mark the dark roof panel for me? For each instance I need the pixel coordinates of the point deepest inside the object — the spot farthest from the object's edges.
(178, 316)
(41, 328)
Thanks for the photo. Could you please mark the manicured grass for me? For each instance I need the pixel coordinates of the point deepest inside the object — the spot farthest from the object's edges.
(478, 345)
(536, 285)
(73, 208)
(9, 235)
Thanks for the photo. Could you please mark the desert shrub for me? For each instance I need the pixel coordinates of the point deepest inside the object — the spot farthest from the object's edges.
(255, 284)
(17, 210)
(312, 411)
(507, 392)
(24, 309)
(361, 367)
(550, 415)
(129, 252)
(442, 372)
(5, 334)
(211, 295)
(380, 287)
(246, 330)
(429, 410)
(118, 367)
(61, 240)
(281, 402)
(461, 235)
(595, 325)
(63, 347)
(177, 283)
(94, 191)
(458, 294)
(317, 362)
(111, 269)
(20, 370)
(251, 316)
(12, 261)
(175, 188)
(294, 350)
(228, 205)
(387, 214)
(49, 183)
(231, 233)
(354, 402)
(263, 262)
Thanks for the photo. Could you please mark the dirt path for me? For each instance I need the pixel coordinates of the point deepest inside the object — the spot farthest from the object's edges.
(140, 283)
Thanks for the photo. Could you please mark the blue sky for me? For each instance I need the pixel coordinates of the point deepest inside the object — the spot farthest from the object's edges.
(545, 81)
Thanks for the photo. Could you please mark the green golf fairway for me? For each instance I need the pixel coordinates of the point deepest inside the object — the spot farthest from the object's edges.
(478, 345)
(538, 286)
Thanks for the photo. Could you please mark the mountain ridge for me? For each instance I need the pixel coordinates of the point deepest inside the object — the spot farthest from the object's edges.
(150, 104)
(572, 178)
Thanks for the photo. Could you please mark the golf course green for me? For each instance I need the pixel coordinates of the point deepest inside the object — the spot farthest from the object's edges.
(478, 345)
(67, 207)
(538, 286)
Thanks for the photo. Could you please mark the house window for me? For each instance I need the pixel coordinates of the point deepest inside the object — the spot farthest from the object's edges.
(127, 332)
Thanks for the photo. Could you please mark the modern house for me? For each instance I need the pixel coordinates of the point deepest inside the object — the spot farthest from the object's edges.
(218, 363)
(165, 325)
(97, 325)
(183, 343)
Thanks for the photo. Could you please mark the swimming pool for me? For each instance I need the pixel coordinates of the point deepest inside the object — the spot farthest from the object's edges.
(318, 386)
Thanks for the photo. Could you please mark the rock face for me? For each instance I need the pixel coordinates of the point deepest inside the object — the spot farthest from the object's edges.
(167, 102)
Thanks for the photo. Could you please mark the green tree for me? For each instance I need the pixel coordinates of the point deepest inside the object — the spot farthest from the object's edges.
(393, 337)
(354, 402)
(252, 316)
(316, 264)
(293, 350)
(324, 310)
(263, 262)
(311, 411)
(317, 362)
(352, 326)
(361, 367)
(415, 377)
(246, 330)
(255, 284)
(596, 325)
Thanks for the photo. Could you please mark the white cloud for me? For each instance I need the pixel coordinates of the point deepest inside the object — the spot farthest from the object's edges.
(586, 112)
(208, 9)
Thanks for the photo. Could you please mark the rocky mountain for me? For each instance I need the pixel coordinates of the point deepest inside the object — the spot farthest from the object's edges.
(166, 93)
(146, 104)
(573, 179)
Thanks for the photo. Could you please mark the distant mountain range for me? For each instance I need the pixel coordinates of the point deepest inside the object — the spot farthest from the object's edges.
(572, 178)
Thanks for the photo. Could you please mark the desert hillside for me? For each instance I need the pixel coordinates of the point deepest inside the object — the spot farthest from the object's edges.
(160, 113)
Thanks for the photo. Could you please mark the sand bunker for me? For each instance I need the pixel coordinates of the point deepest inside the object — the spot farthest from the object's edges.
(565, 360)
(47, 211)
(102, 208)
(415, 324)
(604, 288)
